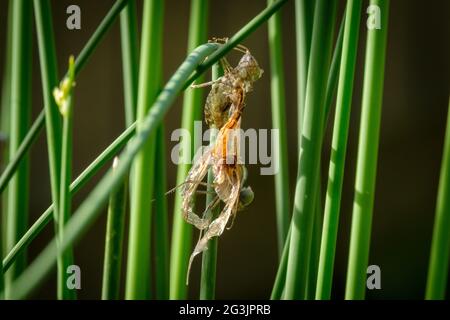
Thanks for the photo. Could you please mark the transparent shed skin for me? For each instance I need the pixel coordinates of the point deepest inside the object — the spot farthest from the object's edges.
(223, 110)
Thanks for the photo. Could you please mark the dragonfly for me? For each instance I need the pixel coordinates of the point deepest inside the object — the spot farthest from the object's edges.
(223, 110)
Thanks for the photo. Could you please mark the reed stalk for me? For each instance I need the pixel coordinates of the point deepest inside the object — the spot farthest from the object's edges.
(366, 166)
(338, 149)
(278, 104)
(21, 48)
(309, 155)
(192, 111)
(440, 246)
(115, 227)
(138, 261)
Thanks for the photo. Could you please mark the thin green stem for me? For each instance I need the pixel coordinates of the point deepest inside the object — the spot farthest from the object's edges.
(65, 105)
(21, 152)
(21, 47)
(309, 155)
(89, 210)
(315, 244)
(333, 75)
(98, 34)
(282, 199)
(138, 263)
(331, 88)
(317, 227)
(115, 227)
(192, 106)
(209, 257)
(49, 76)
(440, 246)
(76, 185)
(304, 12)
(130, 56)
(5, 116)
(338, 150)
(161, 219)
(130, 65)
(366, 166)
(280, 279)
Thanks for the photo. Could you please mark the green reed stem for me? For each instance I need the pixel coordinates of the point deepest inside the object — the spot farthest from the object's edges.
(280, 279)
(304, 13)
(130, 65)
(161, 228)
(63, 216)
(130, 59)
(330, 90)
(115, 227)
(209, 257)
(192, 106)
(309, 156)
(333, 75)
(76, 185)
(89, 210)
(440, 246)
(366, 166)
(318, 220)
(4, 132)
(21, 47)
(98, 34)
(49, 76)
(315, 244)
(138, 263)
(5, 117)
(282, 202)
(338, 151)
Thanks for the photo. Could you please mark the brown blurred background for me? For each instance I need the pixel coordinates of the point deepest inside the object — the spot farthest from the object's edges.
(413, 121)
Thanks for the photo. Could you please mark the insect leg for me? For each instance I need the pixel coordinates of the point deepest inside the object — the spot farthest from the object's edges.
(205, 84)
(226, 66)
(187, 182)
(238, 47)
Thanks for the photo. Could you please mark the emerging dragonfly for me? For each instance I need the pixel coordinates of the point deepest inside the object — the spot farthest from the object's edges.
(223, 110)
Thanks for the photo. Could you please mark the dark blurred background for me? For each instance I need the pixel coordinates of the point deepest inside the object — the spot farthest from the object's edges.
(412, 130)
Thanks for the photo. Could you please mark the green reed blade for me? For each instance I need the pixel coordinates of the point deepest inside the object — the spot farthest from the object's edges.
(339, 147)
(115, 227)
(309, 156)
(366, 166)
(440, 246)
(192, 106)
